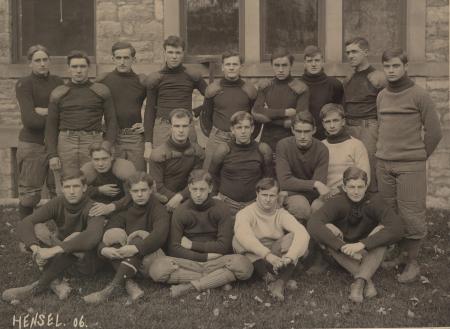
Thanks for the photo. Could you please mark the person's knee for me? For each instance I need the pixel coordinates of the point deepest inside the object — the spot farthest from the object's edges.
(376, 230)
(115, 236)
(241, 266)
(299, 207)
(30, 199)
(161, 268)
(71, 236)
(43, 233)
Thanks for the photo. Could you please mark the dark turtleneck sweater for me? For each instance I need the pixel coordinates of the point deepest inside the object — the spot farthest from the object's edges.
(151, 217)
(168, 89)
(128, 93)
(356, 220)
(230, 99)
(31, 92)
(170, 166)
(209, 226)
(322, 90)
(272, 102)
(103, 179)
(236, 168)
(69, 218)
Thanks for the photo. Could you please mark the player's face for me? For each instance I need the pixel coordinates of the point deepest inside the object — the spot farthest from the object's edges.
(140, 193)
(180, 129)
(173, 56)
(314, 64)
(242, 131)
(79, 70)
(281, 68)
(73, 190)
(303, 133)
(40, 63)
(267, 200)
(356, 55)
(394, 69)
(102, 161)
(355, 189)
(123, 60)
(199, 191)
(333, 123)
(231, 68)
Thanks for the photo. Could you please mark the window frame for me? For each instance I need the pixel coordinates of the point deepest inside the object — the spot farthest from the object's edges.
(19, 55)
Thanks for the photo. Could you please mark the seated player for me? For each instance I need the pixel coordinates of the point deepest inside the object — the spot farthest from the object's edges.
(237, 166)
(200, 244)
(302, 167)
(133, 239)
(171, 162)
(344, 150)
(106, 176)
(356, 229)
(271, 238)
(74, 242)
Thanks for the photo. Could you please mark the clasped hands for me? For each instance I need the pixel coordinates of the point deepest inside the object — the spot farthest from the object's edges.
(119, 253)
(278, 262)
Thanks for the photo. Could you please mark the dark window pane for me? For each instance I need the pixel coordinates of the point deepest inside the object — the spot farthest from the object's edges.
(292, 24)
(212, 26)
(61, 26)
(380, 22)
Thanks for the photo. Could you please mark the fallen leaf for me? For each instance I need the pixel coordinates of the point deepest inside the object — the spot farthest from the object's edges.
(259, 300)
(30, 310)
(424, 279)
(382, 310)
(345, 309)
(216, 312)
(15, 302)
(410, 314)
(267, 304)
(249, 325)
(199, 297)
(8, 224)
(311, 291)
(227, 287)
(292, 321)
(313, 304)
(415, 300)
(233, 297)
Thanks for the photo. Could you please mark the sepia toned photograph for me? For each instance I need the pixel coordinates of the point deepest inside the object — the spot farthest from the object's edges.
(224, 164)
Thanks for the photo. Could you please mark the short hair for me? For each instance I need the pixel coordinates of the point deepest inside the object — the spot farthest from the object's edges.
(198, 175)
(354, 173)
(34, 49)
(180, 113)
(174, 41)
(73, 174)
(311, 51)
(394, 52)
(331, 107)
(281, 52)
(123, 45)
(231, 53)
(78, 54)
(303, 117)
(360, 41)
(137, 177)
(267, 183)
(241, 116)
(101, 146)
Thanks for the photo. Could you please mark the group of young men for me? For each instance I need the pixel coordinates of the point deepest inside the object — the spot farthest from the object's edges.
(345, 160)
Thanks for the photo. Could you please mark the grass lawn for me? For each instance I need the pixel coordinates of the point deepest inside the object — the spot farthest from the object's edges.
(320, 301)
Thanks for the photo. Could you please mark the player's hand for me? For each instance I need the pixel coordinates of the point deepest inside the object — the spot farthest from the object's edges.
(321, 188)
(109, 189)
(111, 253)
(101, 209)
(275, 261)
(138, 128)
(147, 151)
(353, 250)
(174, 202)
(290, 112)
(54, 163)
(39, 261)
(287, 123)
(186, 243)
(47, 253)
(287, 260)
(337, 232)
(41, 111)
(128, 251)
(213, 255)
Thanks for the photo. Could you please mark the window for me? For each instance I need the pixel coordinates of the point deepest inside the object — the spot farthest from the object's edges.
(292, 24)
(60, 25)
(382, 22)
(210, 26)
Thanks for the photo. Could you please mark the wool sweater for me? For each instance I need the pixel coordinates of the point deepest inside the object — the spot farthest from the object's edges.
(170, 166)
(297, 169)
(361, 92)
(236, 168)
(209, 226)
(256, 230)
(31, 92)
(273, 98)
(79, 107)
(69, 218)
(402, 115)
(168, 89)
(322, 90)
(345, 152)
(151, 217)
(128, 93)
(356, 220)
